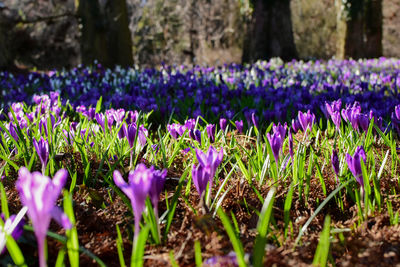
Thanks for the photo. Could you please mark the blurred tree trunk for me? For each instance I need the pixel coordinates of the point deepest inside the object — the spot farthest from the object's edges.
(270, 32)
(359, 28)
(373, 28)
(6, 51)
(105, 32)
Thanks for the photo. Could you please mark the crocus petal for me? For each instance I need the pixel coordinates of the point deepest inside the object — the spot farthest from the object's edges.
(120, 182)
(59, 180)
(61, 218)
(201, 157)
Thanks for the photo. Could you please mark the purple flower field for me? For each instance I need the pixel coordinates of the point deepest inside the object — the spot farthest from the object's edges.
(272, 163)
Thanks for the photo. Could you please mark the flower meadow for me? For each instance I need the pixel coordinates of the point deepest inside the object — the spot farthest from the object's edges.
(240, 165)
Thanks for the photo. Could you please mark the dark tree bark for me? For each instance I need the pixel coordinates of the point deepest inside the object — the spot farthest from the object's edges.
(105, 33)
(270, 32)
(360, 29)
(373, 28)
(6, 49)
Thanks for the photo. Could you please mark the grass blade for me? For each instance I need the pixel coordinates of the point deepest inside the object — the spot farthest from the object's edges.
(237, 245)
(262, 228)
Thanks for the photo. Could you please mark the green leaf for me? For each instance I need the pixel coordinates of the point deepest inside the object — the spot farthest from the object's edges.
(120, 248)
(172, 259)
(262, 228)
(4, 203)
(60, 259)
(322, 252)
(197, 254)
(287, 207)
(15, 251)
(139, 246)
(237, 245)
(72, 234)
(98, 105)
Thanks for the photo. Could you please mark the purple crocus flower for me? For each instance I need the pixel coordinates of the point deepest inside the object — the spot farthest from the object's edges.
(13, 130)
(335, 163)
(363, 122)
(210, 128)
(217, 261)
(119, 115)
(81, 109)
(43, 126)
(291, 152)
(351, 113)
(137, 190)
(280, 129)
(254, 119)
(91, 114)
(350, 110)
(181, 129)
(42, 149)
(377, 120)
(205, 171)
(223, 124)
(190, 124)
(200, 178)
(132, 116)
(306, 120)
(157, 185)
(295, 125)
(354, 164)
(54, 98)
(39, 193)
(143, 133)
(122, 131)
(101, 120)
(396, 118)
(130, 134)
(276, 141)
(173, 129)
(336, 118)
(195, 135)
(110, 118)
(333, 107)
(239, 126)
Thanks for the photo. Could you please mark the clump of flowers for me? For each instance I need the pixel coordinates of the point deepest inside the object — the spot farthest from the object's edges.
(39, 194)
(204, 173)
(354, 163)
(142, 183)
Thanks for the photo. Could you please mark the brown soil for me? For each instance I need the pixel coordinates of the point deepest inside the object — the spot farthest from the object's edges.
(372, 242)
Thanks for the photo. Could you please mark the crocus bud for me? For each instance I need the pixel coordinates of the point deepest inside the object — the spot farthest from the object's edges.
(254, 119)
(130, 133)
(354, 164)
(210, 128)
(335, 163)
(306, 120)
(42, 149)
(222, 124)
(291, 152)
(276, 142)
(239, 126)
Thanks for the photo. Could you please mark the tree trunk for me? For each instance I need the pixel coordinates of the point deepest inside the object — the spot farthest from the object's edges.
(359, 28)
(105, 33)
(373, 28)
(270, 32)
(6, 51)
